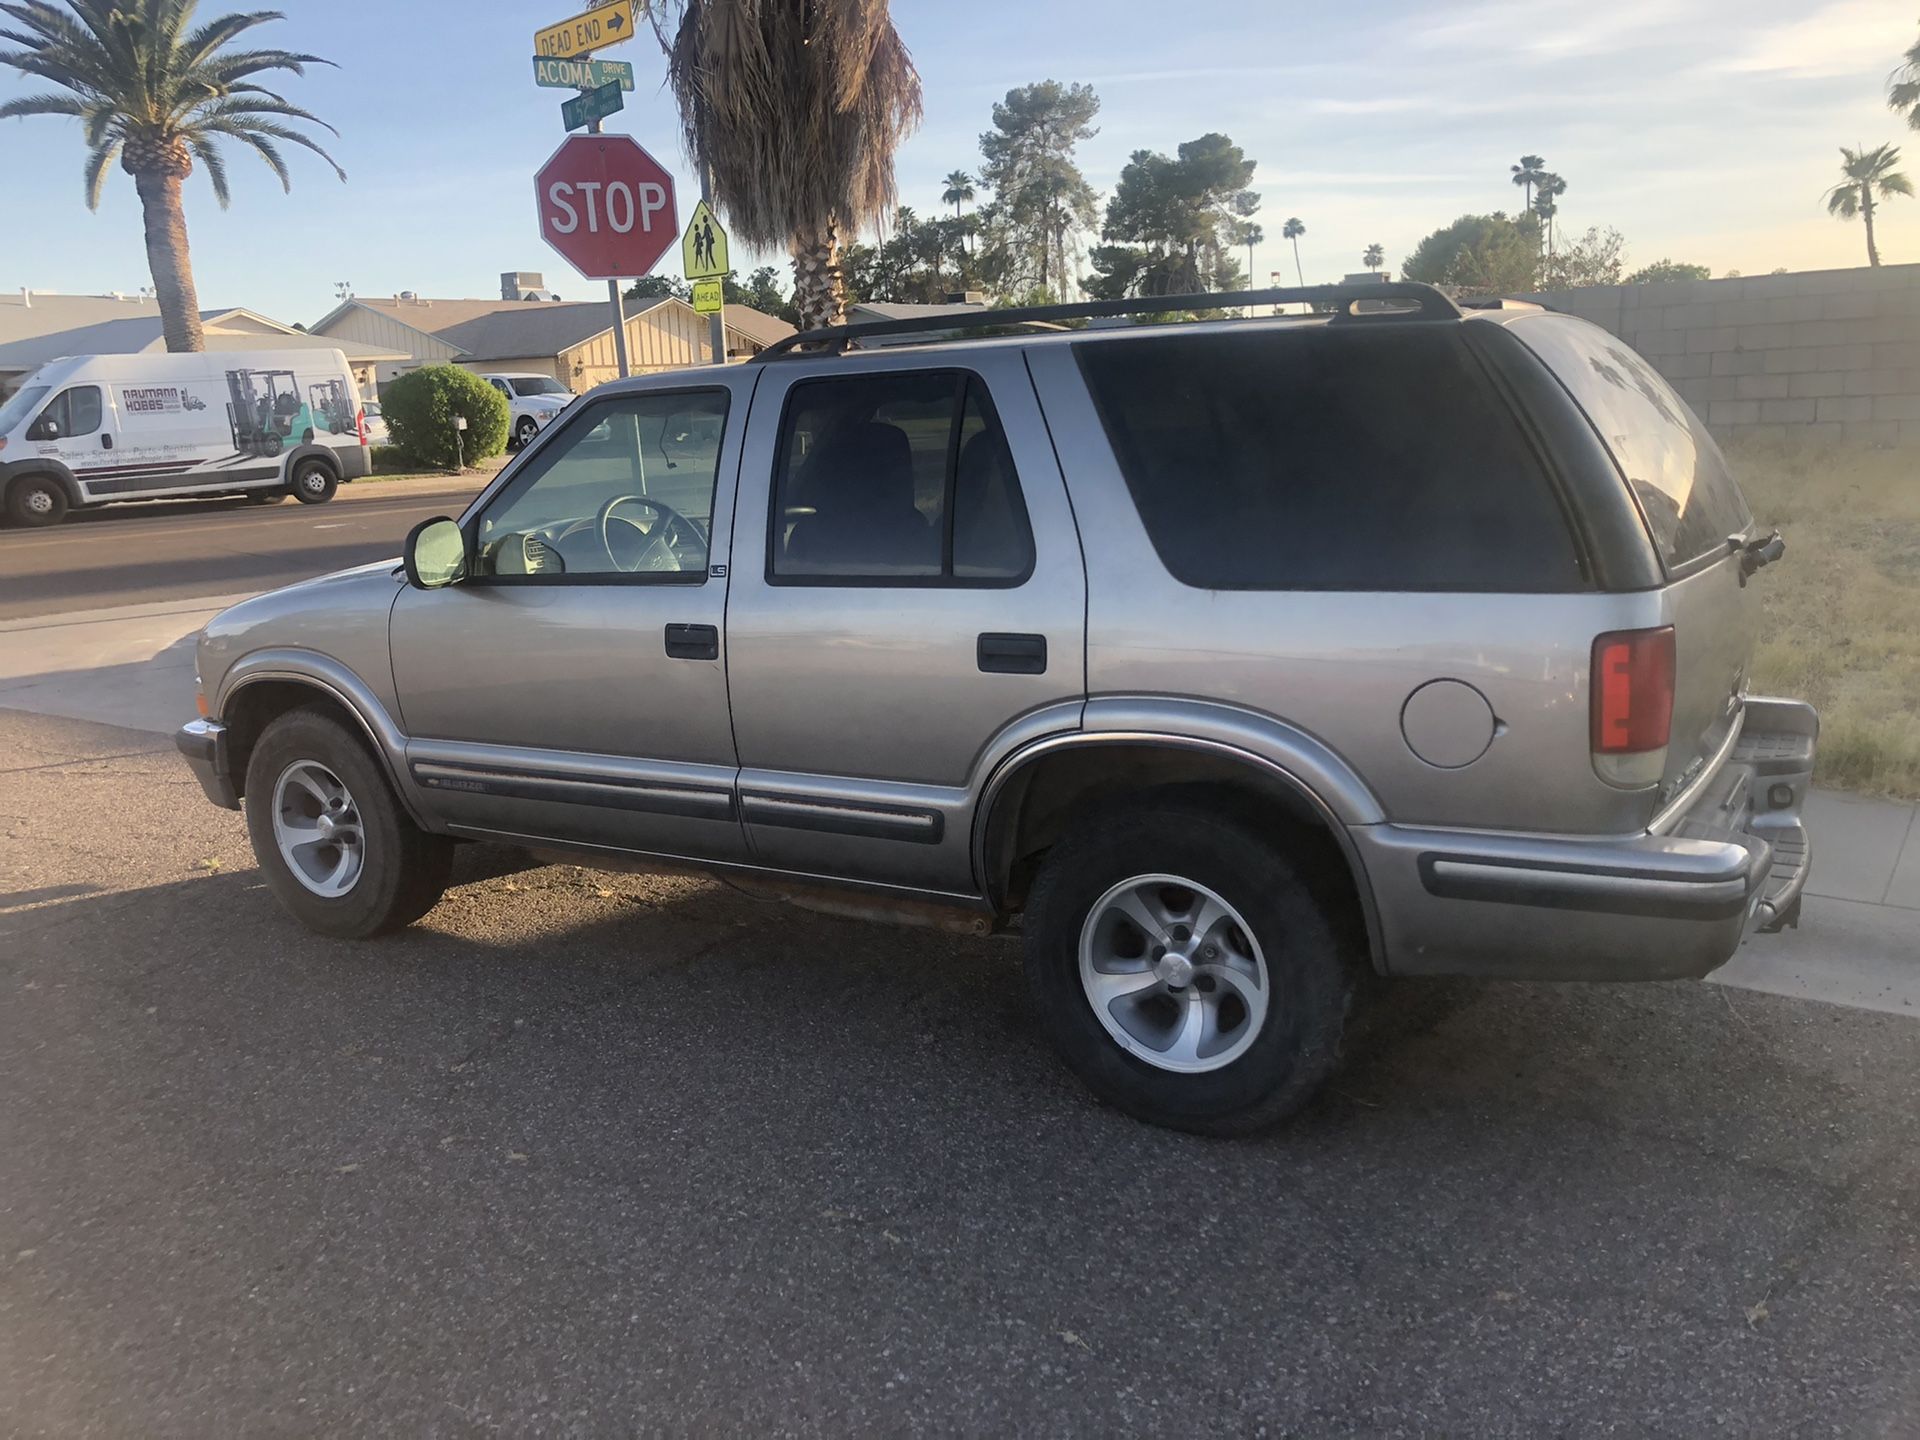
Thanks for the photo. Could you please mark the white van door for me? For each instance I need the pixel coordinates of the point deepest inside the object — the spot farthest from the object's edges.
(77, 424)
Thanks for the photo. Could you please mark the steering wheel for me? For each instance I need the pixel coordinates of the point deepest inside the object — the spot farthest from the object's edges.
(662, 549)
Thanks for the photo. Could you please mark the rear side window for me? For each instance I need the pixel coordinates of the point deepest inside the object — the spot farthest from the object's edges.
(1676, 470)
(897, 478)
(1329, 458)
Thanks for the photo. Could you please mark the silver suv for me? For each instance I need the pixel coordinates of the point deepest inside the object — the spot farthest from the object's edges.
(1225, 661)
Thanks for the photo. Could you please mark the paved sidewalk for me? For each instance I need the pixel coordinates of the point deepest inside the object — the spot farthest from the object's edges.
(1858, 943)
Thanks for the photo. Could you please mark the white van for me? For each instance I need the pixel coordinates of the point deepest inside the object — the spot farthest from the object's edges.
(93, 428)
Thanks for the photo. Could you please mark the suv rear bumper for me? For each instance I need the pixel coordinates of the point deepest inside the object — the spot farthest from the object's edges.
(1656, 906)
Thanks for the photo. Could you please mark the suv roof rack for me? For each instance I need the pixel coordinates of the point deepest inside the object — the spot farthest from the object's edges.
(1418, 302)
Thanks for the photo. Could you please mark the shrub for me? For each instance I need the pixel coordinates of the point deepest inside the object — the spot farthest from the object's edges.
(420, 407)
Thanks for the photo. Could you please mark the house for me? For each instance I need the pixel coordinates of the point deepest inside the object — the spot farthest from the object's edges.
(569, 340)
(868, 310)
(36, 327)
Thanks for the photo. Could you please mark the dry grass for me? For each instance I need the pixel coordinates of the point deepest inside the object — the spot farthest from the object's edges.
(1843, 607)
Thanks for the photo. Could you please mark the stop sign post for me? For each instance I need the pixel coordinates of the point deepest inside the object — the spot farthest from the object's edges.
(607, 207)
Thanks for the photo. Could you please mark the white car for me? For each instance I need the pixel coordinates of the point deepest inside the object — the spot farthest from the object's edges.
(376, 424)
(534, 401)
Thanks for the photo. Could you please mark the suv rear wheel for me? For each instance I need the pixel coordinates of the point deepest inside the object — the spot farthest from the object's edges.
(331, 839)
(36, 500)
(1185, 970)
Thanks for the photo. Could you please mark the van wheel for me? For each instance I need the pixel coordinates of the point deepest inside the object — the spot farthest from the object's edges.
(314, 482)
(336, 848)
(526, 432)
(1185, 970)
(36, 500)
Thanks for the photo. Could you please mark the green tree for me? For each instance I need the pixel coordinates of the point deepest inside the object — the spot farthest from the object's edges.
(652, 287)
(797, 111)
(959, 191)
(1596, 258)
(1903, 87)
(422, 405)
(157, 93)
(1374, 258)
(1045, 201)
(1664, 271)
(1172, 221)
(1480, 254)
(1546, 197)
(1528, 173)
(1293, 230)
(764, 292)
(1869, 177)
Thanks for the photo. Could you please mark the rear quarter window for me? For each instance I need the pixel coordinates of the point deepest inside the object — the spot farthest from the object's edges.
(1375, 457)
(1677, 473)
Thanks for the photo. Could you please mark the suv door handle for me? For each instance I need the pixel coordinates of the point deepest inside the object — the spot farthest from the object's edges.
(1004, 654)
(693, 642)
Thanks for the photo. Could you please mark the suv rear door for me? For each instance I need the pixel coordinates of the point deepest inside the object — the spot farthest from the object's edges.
(1692, 507)
(907, 602)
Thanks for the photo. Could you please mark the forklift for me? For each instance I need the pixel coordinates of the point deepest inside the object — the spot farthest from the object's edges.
(263, 408)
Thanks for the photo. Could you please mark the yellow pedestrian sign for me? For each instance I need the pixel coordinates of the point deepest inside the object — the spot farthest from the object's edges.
(606, 24)
(703, 249)
(709, 297)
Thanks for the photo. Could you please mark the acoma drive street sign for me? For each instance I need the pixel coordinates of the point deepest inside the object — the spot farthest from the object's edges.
(558, 74)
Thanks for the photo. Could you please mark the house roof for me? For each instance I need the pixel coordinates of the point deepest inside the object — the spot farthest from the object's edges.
(516, 329)
(56, 325)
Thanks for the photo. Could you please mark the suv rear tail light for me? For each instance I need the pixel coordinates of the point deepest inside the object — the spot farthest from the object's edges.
(1632, 705)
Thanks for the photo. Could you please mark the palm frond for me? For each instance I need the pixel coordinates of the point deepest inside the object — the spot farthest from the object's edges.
(99, 160)
(41, 105)
(215, 165)
(264, 147)
(270, 104)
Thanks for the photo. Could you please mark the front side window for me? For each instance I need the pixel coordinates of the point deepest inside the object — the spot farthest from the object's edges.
(1676, 470)
(897, 477)
(21, 404)
(626, 489)
(74, 411)
(1370, 456)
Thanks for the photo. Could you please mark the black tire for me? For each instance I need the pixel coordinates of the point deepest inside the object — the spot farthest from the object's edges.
(36, 500)
(403, 870)
(526, 432)
(313, 481)
(1310, 972)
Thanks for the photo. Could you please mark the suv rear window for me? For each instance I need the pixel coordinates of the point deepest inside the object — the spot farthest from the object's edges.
(1329, 458)
(1676, 470)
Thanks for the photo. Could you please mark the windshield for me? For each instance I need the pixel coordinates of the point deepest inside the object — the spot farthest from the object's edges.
(538, 385)
(23, 404)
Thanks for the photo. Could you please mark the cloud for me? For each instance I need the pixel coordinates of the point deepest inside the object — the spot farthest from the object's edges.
(1846, 37)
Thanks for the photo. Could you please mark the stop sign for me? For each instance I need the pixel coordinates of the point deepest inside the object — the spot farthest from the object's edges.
(607, 206)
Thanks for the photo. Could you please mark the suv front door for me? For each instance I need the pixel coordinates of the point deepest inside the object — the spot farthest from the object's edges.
(908, 604)
(572, 687)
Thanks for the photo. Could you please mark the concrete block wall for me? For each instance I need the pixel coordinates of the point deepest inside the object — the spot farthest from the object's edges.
(1821, 355)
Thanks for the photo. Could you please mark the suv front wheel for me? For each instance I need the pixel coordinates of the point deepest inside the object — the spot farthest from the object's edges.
(335, 846)
(1185, 970)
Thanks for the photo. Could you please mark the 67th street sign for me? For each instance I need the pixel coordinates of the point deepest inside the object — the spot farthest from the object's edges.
(607, 206)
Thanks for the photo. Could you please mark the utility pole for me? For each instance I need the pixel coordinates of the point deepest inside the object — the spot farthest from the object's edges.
(716, 322)
(619, 305)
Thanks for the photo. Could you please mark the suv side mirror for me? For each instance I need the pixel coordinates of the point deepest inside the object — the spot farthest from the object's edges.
(436, 554)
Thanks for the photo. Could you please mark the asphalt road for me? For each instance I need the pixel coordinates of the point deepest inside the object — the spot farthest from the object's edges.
(185, 549)
(586, 1154)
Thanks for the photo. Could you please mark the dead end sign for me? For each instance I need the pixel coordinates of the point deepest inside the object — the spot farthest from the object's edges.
(607, 206)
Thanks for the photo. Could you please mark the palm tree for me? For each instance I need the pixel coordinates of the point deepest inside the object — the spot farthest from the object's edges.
(1869, 173)
(1293, 230)
(1903, 87)
(958, 192)
(1548, 187)
(1250, 236)
(796, 111)
(157, 96)
(1374, 258)
(1527, 174)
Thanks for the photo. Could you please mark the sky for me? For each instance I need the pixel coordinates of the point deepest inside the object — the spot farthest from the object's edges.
(1703, 130)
